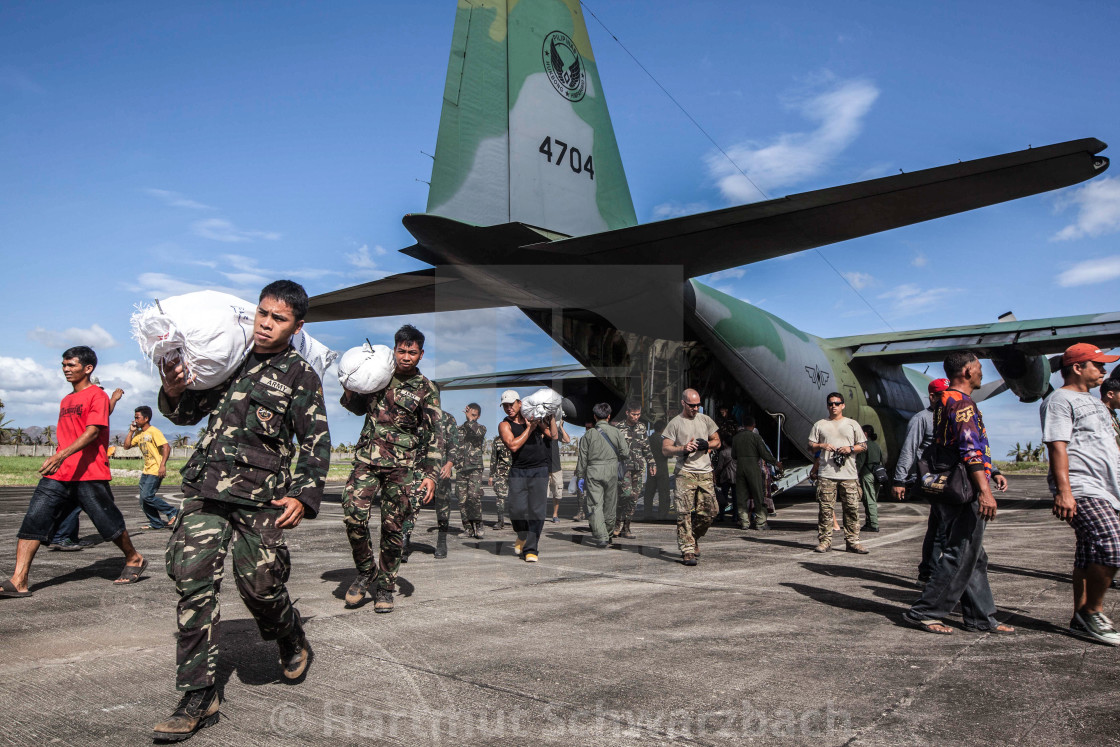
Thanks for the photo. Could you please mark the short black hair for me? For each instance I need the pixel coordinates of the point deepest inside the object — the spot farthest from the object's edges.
(145, 411)
(85, 355)
(632, 406)
(601, 411)
(837, 395)
(1110, 385)
(291, 293)
(474, 406)
(870, 431)
(956, 361)
(748, 421)
(408, 333)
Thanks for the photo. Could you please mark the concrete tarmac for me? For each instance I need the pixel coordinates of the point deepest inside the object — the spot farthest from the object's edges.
(764, 642)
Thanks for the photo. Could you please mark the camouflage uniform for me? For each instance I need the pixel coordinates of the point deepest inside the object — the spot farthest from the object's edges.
(445, 487)
(468, 472)
(500, 461)
(400, 445)
(638, 465)
(239, 466)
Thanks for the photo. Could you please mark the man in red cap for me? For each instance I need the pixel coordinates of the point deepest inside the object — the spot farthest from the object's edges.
(1085, 482)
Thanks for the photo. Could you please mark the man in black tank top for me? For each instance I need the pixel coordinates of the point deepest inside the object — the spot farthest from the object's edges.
(530, 443)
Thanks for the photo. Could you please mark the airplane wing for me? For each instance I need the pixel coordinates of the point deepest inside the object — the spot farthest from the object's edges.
(1033, 337)
(508, 379)
(720, 239)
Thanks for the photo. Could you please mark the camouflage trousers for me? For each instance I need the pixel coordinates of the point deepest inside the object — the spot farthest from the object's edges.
(445, 492)
(469, 483)
(849, 498)
(629, 488)
(202, 535)
(398, 489)
(696, 507)
(501, 492)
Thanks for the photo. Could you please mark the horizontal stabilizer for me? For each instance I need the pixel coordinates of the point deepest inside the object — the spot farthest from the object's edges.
(720, 239)
(502, 379)
(419, 292)
(1033, 337)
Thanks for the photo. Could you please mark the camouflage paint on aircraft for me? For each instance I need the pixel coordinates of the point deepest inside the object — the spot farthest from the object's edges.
(547, 156)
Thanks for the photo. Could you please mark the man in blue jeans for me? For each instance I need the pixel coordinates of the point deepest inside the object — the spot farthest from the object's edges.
(155, 450)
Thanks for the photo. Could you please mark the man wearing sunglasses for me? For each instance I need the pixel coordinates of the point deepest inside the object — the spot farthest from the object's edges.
(688, 437)
(838, 439)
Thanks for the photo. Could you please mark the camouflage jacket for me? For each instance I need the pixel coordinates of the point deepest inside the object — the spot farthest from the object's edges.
(637, 440)
(450, 438)
(472, 439)
(402, 426)
(246, 454)
(500, 459)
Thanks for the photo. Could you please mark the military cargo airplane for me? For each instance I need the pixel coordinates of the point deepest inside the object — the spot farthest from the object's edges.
(529, 207)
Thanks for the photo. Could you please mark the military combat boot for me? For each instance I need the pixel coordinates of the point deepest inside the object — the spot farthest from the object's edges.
(295, 653)
(468, 528)
(501, 523)
(478, 529)
(357, 591)
(382, 600)
(626, 533)
(441, 543)
(197, 709)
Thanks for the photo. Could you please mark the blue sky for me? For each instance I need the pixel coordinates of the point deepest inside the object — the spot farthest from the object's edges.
(151, 149)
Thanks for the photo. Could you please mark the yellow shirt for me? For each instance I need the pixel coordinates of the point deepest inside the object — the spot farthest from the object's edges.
(149, 442)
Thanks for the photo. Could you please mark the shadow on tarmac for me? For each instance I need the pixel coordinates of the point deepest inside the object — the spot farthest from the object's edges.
(106, 568)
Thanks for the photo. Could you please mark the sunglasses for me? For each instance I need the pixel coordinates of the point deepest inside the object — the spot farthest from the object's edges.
(835, 404)
(690, 404)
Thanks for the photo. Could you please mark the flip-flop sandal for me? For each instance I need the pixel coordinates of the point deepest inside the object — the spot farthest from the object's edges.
(130, 574)
(9, 590)
(1001, 629)
(926, 625)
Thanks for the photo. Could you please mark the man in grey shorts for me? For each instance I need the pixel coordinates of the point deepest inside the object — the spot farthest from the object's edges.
(1085, 481)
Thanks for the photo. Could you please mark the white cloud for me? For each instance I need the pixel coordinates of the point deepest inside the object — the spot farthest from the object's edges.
(667, 210)
(30, 389)
(858, 280)
(1098, 206)
(733, 273)
(795, 157)
(920, 260)
(910, 299)
(174, 199)
(219, 229)
(1091, 271)
(138, 379)
(161, 285)
(95, 337)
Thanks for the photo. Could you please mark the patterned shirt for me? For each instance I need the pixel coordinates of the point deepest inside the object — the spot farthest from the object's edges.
(958, 423)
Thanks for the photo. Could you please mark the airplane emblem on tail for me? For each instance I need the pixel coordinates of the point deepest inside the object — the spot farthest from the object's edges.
(569, 80)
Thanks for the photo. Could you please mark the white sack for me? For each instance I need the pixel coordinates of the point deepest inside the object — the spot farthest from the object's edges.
(366, 369)
(211, 333)
(541, 403)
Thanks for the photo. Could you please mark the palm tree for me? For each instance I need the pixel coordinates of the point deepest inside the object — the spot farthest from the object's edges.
(1038, 454)
(201, 433)
(1017, 452)
(117, 440)
(181, 440)
(18, 436)
(48, 435)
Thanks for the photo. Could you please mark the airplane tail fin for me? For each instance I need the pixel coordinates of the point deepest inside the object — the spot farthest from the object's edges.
(525, 135)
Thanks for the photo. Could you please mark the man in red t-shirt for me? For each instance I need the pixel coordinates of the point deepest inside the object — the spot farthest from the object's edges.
(77, 475)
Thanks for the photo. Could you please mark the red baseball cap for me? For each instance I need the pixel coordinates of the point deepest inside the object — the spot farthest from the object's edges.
(1083, 352)
(938, 385)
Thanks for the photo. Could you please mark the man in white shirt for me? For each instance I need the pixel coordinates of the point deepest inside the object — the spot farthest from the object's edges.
(1085, 482)
(688, 437)
(838, 439)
